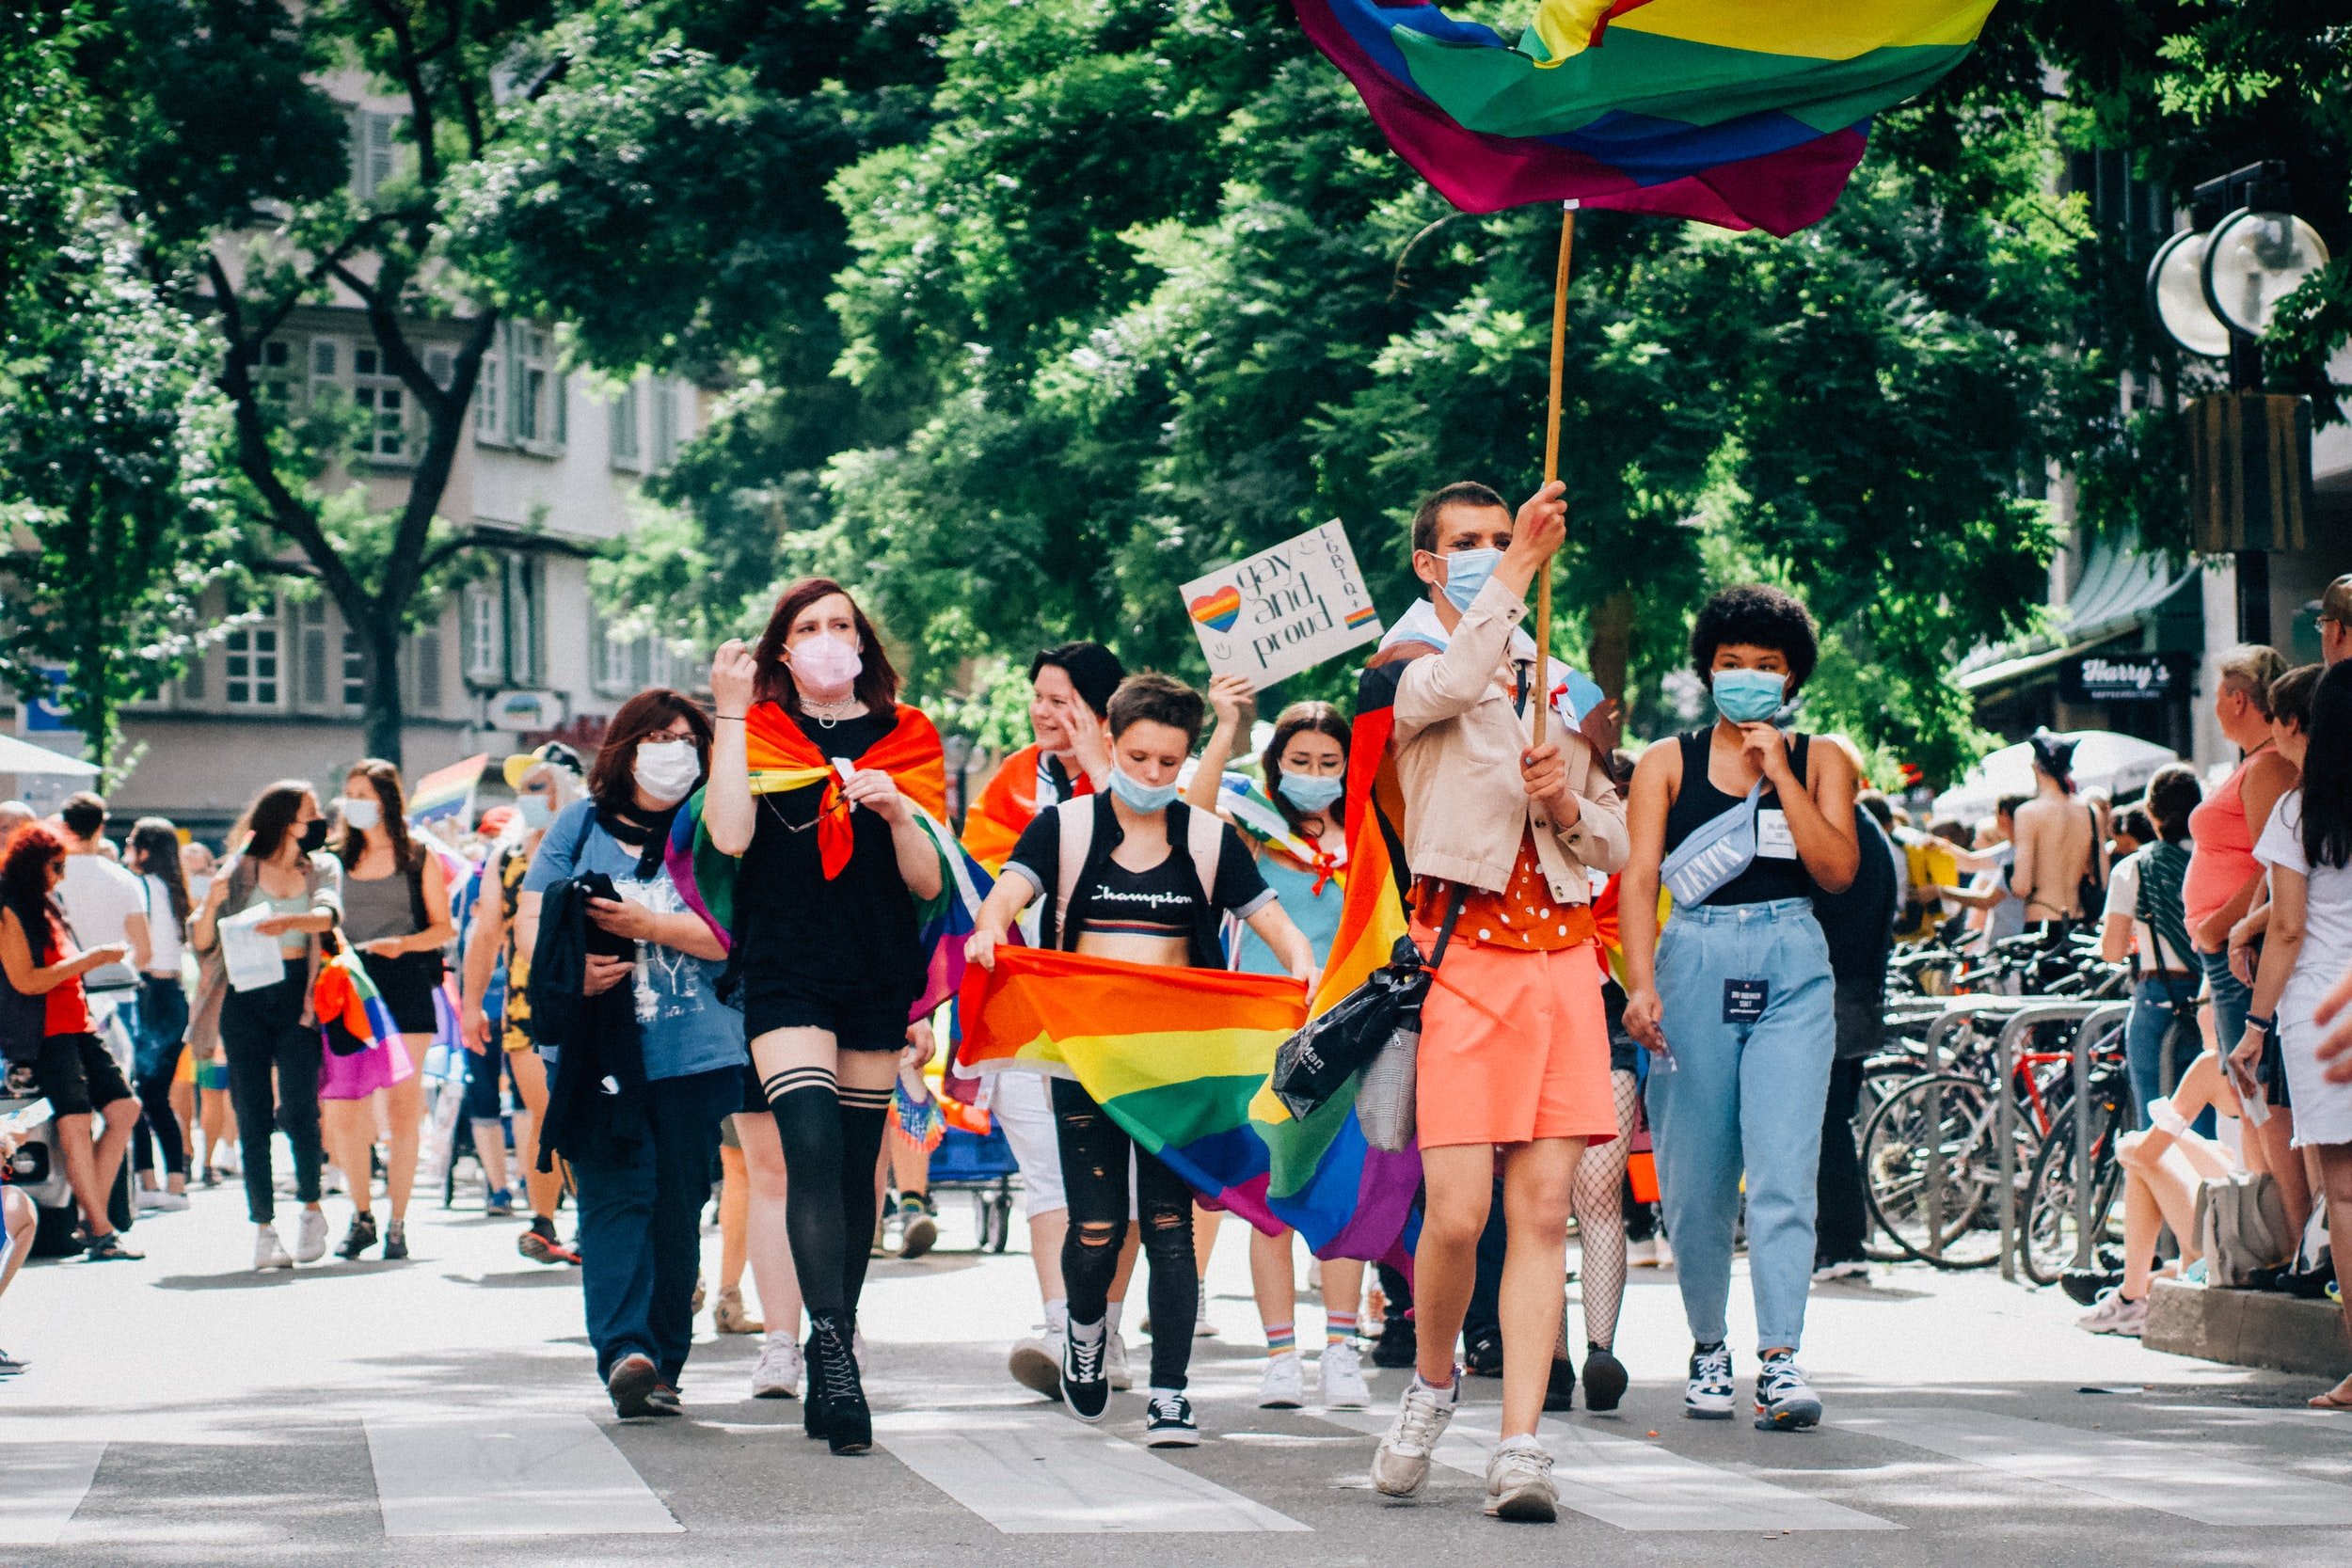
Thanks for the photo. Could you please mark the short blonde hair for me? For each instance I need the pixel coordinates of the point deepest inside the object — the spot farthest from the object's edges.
(2251, 668)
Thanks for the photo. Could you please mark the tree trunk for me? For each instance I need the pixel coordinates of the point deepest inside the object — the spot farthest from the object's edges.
(381, 719)
(1612, 651)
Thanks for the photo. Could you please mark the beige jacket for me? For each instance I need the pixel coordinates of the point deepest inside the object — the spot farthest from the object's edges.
(1458, 742)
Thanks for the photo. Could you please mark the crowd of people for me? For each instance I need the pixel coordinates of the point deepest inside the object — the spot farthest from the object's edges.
(701, 952)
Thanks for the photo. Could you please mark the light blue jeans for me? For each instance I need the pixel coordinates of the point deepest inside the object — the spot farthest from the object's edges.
(1745, 1096)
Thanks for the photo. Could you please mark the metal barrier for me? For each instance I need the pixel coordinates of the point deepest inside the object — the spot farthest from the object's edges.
(2004, 1100)
(1952, 1018)
(2108, 1017)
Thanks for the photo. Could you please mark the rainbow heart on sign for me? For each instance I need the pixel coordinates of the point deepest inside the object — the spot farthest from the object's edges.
(1218, 611)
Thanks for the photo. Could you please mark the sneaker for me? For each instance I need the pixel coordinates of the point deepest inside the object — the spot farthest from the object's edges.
(918, 1231)
(663, 1401)
(2114, 1315)
(1642, 1254)
(1284, 1386)
(1399, 1344)
(395, 1240)
(1605, 1379)
(1826, 1269)
(1122, 1381)
(1084, 1385)
(1482, 1353)
(730, 1315)
(1518, 1483)
(1401, 1463)
(541, 1246)
(1036, 1365)
(1340, 1378)
(110, 1249)
(154, 1201)
(269, 1251)
(778, 1374)
(1202, 1327)
(1708, 1396)
(1167, 1421)
(631, 1382)
(499, 1205)
(311, 1239)
(1784, 1401)
(11, 1365)
(360, 1237)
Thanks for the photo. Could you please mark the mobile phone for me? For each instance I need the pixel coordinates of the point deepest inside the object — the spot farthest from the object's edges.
(598, 884)
(2251, 1102)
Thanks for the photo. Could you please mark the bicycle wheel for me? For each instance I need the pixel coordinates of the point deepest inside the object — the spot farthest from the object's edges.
(1880, 1081)
(1947, 1119)
(2049, 1240)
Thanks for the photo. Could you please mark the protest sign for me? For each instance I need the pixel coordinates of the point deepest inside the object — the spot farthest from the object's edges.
(1283, 610)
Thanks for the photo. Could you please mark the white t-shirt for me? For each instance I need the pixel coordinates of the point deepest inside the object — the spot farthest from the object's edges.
(162, 932)
(2124, 899)
(2328, 896)
(100, 897)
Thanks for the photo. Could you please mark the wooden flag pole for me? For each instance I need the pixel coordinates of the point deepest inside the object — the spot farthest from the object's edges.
(1551, 463)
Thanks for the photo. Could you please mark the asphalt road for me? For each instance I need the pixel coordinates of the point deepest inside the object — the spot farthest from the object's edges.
(184, 1410)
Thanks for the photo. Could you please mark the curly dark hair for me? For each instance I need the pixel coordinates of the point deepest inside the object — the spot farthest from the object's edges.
(24, 886)
(1760, 617)
(2174, 792)
(1159, 699)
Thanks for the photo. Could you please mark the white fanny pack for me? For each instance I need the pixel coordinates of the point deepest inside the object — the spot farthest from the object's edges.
(1717, 851)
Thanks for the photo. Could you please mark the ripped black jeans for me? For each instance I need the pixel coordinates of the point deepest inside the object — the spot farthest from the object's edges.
(1094, 1154)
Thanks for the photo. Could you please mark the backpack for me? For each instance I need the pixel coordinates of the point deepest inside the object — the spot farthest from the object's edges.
(2163, 867)
(2241, 1226)
(1204, 839)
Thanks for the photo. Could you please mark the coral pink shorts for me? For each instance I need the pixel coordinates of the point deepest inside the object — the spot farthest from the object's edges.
(1514, 1047)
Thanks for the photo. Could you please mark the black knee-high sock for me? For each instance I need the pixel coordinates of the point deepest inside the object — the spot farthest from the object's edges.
(865, 1117)
(808, 1122)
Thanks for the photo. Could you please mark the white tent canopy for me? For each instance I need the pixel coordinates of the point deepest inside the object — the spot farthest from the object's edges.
(2115, 765)
(22, 757)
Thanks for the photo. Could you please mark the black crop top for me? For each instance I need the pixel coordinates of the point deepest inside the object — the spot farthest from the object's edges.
(1768, 877)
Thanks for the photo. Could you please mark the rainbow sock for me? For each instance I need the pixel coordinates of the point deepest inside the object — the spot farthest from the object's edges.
(1280, 1338)
(1338, 1326)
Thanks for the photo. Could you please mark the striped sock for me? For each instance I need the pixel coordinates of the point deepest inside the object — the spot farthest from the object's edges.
(1280, 1338)
(1338, 1326)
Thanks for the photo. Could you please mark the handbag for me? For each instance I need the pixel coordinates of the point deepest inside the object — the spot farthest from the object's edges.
(2241, 1226)
(1373, 1034)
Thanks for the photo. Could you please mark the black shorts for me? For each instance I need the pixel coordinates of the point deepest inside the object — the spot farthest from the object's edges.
(409, 982)
(2271, 1072)
(77, 1076)
(859, 1021)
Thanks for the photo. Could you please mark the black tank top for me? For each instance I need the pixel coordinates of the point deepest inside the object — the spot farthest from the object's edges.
(1698, 802)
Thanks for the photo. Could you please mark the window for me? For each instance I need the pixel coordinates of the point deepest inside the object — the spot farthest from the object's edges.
(613, 671)
(522, 620)
(423, 667)
(381, 398)
(327, 363)
(483, 626)
(250, 667)
(489, 409)
(627, 453)
(664, 422)
(314, 653)
(532, 417)
(373, 151)
(274, 374)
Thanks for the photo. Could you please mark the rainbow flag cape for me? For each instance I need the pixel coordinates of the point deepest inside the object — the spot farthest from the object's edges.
(344, 997)
(782, 759)
(1252, 811)
(1007, 806)
(1180, 1058)
(447, 792)
(1748, 113)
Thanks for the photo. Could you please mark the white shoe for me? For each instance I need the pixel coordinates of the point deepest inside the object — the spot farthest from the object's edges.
(1340, 1376)
(778, 1374)
(1114, 1365)
(1642, 1254)
(310, 1241)
(1035, 1364)
(1849, 1268)
(1202, 1327)
(1710, 1395)
(269, 1251)
(1401, 1463)
(2114, 1315)
(1284, 1386)
(1519, 1484)
(163, 1203)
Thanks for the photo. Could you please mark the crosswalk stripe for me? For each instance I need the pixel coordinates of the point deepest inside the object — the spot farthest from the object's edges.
(41, 1484)
(2177, 1478)
(508, 1475)
(1039, 1472)
(1633, 1484)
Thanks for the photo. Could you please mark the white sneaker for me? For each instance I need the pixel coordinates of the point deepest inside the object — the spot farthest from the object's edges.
(2114, 1315)
(310, 1241)
(1035, 1364)
(1518, 1483)
(1784, 1401)
(1708, 1396)
(1342, 1378)
(1848, 1268)
(1401, 1463)
(778, 1374)
(1114, 1365)
(161, 1202)
(1202, 1327)
(1642, 1254)
(1284, 1386)
(269, 1251)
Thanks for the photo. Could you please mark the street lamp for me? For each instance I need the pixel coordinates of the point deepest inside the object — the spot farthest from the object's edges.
(2215, 289)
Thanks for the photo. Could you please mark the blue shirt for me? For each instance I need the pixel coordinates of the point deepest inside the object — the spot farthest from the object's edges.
(1315, 915)
(683, 1026)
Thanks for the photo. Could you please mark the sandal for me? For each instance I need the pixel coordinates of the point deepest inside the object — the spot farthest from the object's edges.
(2338, 1398)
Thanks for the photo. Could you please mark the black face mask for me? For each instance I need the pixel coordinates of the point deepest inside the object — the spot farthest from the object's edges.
(313, 835)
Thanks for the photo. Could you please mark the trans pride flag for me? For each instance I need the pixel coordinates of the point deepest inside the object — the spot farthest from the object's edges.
(1179, 1059)
(1748, 113)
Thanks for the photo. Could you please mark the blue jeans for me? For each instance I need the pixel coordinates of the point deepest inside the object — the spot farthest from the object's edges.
(1745, 1096)
(2232, 999)
(2144, 1035)
(641, 1204)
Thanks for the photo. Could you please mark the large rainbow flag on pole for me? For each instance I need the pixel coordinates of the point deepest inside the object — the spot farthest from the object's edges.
(1180, 1058)
(1749, 114)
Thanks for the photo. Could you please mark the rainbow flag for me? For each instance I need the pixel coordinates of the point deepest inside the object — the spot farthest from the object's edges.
(344, 996)
(447, 791)
(1748, 113)
(1180, 1058)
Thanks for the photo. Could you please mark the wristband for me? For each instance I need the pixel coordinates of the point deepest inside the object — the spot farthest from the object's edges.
(738, 718)
(2164, 1119)
(2266, 1026)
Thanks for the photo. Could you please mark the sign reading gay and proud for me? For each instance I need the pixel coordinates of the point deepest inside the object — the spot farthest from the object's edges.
(1283, 610)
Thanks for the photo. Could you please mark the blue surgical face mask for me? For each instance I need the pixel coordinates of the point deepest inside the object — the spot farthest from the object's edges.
(1465, 573)
(534, 811)
(1137, 795)
(1311, 793)
(1748, 696)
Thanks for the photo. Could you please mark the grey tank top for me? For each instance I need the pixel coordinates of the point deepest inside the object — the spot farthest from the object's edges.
(382, 907)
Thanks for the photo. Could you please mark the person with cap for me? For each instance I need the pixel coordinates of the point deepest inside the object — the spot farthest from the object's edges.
(2061, 865)
(2333, 611)
(544, 780)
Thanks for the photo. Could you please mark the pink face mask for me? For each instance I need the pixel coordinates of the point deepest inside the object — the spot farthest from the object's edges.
(826, 666)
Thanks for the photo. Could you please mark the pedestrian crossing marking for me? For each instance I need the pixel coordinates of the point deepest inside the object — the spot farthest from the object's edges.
(44, 1485)
(508, 1475)
(1043, 1472)
(1633, 1484)
(2168, 1478)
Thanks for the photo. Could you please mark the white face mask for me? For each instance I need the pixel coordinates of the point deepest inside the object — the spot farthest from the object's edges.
(667, 769)
(362, 815)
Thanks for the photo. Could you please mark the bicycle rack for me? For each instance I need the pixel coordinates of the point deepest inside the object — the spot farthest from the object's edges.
(2108, 1015)
(1960, 1012)
(2005, 1102)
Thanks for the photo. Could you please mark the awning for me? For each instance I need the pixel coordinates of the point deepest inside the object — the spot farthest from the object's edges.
(22, 757)
(2120, 587)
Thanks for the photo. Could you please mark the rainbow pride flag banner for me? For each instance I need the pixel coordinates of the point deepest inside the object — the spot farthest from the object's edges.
(447, 792)
(1181, 1058)
(344, 996)
(1747, 114)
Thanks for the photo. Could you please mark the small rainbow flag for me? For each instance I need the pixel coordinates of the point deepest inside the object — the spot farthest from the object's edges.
(344, 996)
(1363, 617)
(1180, 1058)
(447, 792)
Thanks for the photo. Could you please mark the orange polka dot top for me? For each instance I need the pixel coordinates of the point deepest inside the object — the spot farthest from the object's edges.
(1522, 915)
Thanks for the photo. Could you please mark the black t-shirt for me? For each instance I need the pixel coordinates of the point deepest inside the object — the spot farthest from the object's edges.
(851, 935)
(1860, 922)
(1165, 900)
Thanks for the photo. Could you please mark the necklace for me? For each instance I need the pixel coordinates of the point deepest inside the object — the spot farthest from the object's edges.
(829, 714)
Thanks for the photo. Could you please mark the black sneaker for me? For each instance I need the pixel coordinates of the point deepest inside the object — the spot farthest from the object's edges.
(110, 1249)
(663, 1401)
(1482, 1353)
(1784, 1401)
(1605, 1379)
(360, 1237)
(1168, 1423)
(395, 1240)
(1085, 1385)
(1399, 1345)
(631, 1382)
